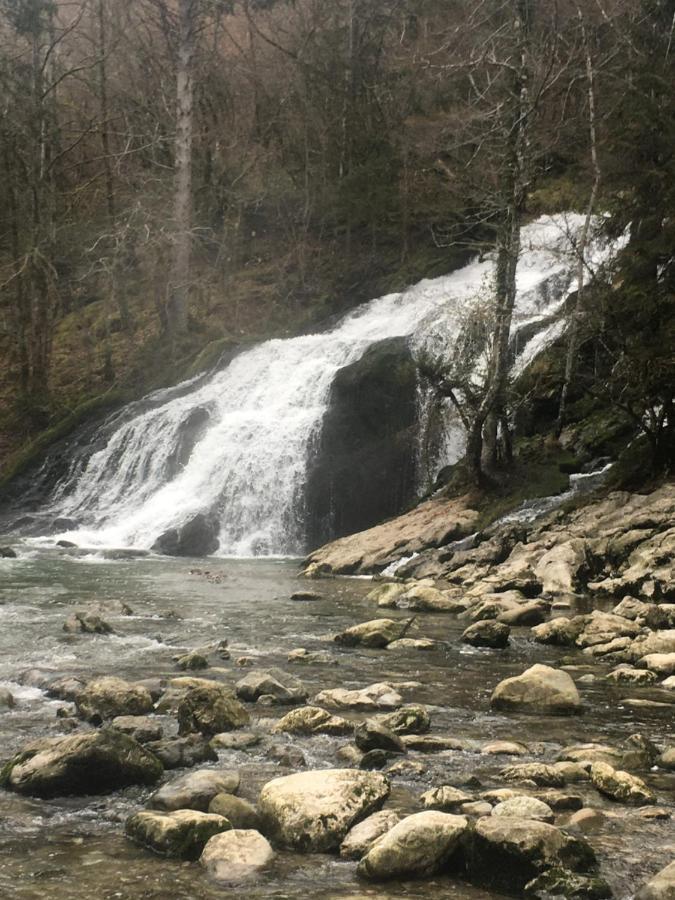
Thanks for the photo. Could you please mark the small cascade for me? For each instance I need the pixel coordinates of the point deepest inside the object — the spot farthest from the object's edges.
(234, 447)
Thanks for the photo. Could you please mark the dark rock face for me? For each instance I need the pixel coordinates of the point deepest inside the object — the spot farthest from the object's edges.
(363, 468)
(198, 537)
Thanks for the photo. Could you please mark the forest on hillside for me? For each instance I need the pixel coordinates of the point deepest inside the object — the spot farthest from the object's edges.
(181, 175)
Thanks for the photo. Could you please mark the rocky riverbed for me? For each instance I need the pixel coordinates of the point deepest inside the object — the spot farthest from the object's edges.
(226, 728)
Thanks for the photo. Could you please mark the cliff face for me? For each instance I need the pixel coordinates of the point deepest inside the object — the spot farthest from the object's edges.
(622, 543)
(363, 467)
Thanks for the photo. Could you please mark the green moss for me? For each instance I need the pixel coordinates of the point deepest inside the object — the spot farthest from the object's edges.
(32, 451)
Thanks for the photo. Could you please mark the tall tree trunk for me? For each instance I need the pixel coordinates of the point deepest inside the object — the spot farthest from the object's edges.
(492, 408)
(179, 286)
(577, 309)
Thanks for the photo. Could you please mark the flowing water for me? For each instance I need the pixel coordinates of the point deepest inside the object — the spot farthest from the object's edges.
(256, 420)
(74, 849)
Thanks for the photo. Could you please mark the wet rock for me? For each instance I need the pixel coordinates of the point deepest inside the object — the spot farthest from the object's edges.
(239, 813)
(558, 800)
(198, 537)
(476, 808)
(182, 752)
(667, 759)
(86, 623)
(504, 748)
(6, 699)
(422, 644)
(497, 795)
(426, 599)
(654, 813)
(418, 846)
(386, 595)
(96, 762)
(560, 568)
(373, 735)
(381, 695)
(428, 743)
(285, 689)
(540, 689)
(601, 628)
(531, 613)
(181, 834)
(312, 720)
(412, 769)
(310, 657)
(236, 856)
(660, 616)
(445, 798)
(306, 596)
(633, 609)
(375, 634)
(569, 885)
(524, 808)
(377, 759)
(361, 837)
(625, 674)
(587, 819)
(620, 786)
(540, 774)
(210, 709)
(240, 740)
(591, 752)
(508, 853)
(195, 790)
(141, 728)
(658, 642)
(407, 720)
(7, 553)
(487, 633)
(561, 632)
(660, 887)
(313, 811)
(108, 697)
(288, 757)
(661, 663)
(668, 683)
(192, 661)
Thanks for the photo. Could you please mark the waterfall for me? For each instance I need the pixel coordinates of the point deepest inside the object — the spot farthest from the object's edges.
(251, 425)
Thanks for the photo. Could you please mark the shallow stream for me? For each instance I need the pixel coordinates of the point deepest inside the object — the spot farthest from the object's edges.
(74, 849)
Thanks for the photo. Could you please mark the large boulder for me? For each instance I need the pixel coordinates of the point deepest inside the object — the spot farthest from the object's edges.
(195, 790)
(95, 762)
(284, 688)
(507, 853)
(381, 695)
(183, 752)
(313, 811)
(560, 568)
(238, 812)
(181, 834)
(361, 837)
(373, 735)
(523, 807)
(407, 720)
(197, 537)
(540, 689)
(209, 709)
(109, 697)
(623, 787)
(236, 856)
(561, 631)
(418, 846)
(364, 470)
(660, 887)
(309, 720)
(487, 633)
(377, 633)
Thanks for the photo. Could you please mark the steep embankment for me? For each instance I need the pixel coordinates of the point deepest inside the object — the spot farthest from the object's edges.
(618, 544)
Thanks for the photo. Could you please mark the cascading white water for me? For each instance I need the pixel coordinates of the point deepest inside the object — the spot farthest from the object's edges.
(248, 467)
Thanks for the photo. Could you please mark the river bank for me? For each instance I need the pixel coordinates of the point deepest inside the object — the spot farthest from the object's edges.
(77, 844)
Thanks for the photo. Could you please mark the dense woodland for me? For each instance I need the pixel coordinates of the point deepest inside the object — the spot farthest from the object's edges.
(179, 175)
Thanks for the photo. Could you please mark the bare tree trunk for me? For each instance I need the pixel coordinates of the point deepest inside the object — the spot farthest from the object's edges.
(577, 309)
(177, 304)
(492, 408)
